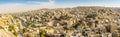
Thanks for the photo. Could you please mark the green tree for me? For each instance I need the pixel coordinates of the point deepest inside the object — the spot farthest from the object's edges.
(11, 28)
(91, 16)
(41, 33)
(62, 35)
(31, 24)
(1, 27)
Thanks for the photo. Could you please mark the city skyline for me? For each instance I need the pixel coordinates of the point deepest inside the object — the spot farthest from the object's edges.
(25, 5)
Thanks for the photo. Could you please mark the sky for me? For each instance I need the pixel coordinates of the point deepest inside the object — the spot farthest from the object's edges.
(25, 5)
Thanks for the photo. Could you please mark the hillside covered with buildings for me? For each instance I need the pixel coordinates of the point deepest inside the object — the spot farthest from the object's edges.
(62, 22)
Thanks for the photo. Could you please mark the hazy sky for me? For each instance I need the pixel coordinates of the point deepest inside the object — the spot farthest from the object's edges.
(25, 5)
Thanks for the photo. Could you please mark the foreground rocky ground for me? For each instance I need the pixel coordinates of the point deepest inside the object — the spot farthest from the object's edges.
(62, 22)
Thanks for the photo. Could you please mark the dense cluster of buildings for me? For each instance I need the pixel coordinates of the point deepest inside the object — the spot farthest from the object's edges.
(63, 22)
